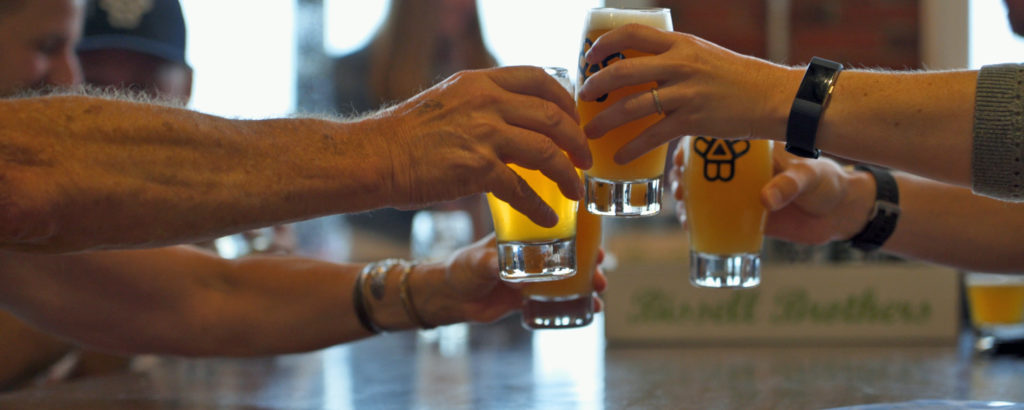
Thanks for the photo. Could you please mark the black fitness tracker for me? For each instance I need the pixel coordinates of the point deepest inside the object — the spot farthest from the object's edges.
(885, 212)
(810, 101)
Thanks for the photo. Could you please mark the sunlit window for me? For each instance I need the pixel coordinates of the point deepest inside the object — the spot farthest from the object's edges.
(534, 32)
(243, 55)
(991, 40)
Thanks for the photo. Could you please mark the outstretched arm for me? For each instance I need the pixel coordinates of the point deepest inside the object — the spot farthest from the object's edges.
(185, 301)
(81, 173)
(817, 201)
(919, 122)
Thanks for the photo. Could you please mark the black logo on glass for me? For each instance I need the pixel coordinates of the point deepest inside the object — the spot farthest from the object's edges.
(587, 70)
(719, 156)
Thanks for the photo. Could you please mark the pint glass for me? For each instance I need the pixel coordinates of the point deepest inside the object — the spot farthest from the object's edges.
(566, 303)
(528, 252)
(996, 305)
(633, 189)
(723, 180)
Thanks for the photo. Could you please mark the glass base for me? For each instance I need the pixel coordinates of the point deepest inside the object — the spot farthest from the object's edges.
(1002, 338)
(637, 198)
(537, 261)
(737, 270)
(557, 313)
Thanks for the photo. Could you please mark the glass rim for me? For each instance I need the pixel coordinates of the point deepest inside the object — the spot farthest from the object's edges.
(992, 279)
(555, 69)
(643, 9)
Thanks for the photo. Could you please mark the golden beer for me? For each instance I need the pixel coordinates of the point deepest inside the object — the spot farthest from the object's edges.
(721, 189)
(995, 299)
(631, 189)
(512, 226)
(588, 241)
(995, 304)
(529, 252)
(567, 302)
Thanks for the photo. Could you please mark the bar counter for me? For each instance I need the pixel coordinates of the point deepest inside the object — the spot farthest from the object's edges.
(500, 365)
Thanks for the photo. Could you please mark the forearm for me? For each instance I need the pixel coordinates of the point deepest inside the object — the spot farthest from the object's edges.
(950, 225)
(914, 121)
(26, 351)
(184, 301)
(83, 173)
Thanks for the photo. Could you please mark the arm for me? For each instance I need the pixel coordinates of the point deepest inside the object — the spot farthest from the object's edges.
(817, 201)
(185, 301)
(26, 351)
(920, 122)
(85, 173)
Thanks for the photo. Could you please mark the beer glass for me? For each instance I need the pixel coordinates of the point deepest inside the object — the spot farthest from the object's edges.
(567, 303)
(632, 189)
(996, 305)
(723, 180)
(528, 252)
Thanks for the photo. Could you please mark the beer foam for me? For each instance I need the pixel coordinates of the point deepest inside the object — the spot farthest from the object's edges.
(992, 279)
(610, 18)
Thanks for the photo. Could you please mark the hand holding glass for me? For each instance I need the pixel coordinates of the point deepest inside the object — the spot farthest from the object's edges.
(567, 303)
(632, 189)
(528, 252)
(722, 182)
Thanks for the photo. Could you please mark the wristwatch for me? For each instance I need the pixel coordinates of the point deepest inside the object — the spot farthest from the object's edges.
(884, 214)
(811, 99)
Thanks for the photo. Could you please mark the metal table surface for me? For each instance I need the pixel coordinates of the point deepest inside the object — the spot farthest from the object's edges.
(503, 366)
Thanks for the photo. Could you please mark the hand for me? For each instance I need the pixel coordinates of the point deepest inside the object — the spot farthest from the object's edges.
(704, 89)
(456, 138)
(473, 281)
(809, 201)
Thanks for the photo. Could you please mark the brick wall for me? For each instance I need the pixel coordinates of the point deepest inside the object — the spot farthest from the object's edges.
(859, 33)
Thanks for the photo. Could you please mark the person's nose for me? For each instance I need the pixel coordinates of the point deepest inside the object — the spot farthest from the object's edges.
(65, 70)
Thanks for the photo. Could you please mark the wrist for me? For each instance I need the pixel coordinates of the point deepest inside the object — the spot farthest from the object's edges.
(431, 301)
(857, 203)
(382, 136)
(779, 100)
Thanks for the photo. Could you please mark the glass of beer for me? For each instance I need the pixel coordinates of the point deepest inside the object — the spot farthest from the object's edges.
(996, 305)
(528, 252)
(633, 189)
(567, 303)
(723, 180)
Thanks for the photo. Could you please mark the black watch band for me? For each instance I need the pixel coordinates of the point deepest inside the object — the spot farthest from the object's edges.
(811, 99)
(885, 212)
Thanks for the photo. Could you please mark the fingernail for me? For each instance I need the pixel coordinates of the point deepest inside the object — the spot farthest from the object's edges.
(620, 159)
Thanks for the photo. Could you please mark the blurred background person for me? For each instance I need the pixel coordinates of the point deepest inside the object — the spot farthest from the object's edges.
(419, 43)
(36, 50)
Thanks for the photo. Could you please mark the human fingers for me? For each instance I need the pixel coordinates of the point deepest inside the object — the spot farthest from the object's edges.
(787, 185)
(534, 81)
(598, 304)
(627, 72)
(676, 182)
(681, 214)
(532, 151)
(600, 281)
(660, 101)
(631, 36)
(546, 118)
(508, 186)
(654, 136)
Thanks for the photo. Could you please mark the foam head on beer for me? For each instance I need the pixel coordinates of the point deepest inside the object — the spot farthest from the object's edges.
(609, 18)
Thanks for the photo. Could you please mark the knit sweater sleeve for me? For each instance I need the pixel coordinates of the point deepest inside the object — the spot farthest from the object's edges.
(997, 163)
